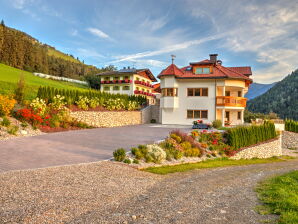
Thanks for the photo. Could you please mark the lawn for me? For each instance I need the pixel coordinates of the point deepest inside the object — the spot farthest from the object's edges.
(9, 76)
(221, 162)
(280, 197)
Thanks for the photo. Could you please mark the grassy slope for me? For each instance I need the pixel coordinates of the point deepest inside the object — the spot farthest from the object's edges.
(9, 76)
(211, 164)
(58, 54)
(280, 197)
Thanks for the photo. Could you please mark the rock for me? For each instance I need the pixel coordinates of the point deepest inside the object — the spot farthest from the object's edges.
(24, 132)
(134, 217)
(223, 211)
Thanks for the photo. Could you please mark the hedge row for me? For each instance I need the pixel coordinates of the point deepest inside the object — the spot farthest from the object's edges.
(71, 96)
(243, 136)
(291, 125)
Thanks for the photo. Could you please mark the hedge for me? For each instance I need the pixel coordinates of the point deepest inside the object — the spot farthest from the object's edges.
(244, 136)
(71, 96)
(291, 125)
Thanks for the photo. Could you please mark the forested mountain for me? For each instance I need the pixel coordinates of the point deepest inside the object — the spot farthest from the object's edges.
(282, 98)
(19, 50)
(257, 89)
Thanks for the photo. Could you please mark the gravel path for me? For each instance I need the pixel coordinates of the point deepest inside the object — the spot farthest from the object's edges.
(107, 192)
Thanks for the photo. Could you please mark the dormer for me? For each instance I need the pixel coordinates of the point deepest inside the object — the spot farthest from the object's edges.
(205, 66)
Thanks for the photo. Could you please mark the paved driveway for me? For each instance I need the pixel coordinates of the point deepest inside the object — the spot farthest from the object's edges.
(76, 146)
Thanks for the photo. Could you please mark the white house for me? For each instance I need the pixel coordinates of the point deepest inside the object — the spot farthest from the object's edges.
(129, 81)
(204, 90)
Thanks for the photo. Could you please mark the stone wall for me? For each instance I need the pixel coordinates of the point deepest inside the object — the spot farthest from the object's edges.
(289, 140)
(264, 150)
(150, 112)
(108, 118)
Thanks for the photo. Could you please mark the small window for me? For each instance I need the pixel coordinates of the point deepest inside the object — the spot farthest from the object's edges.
(197, 114)
(125, 88)
(126, 77)
(239, 94)
(116, 88)
(116, 78)
(107, 78)
(106, 88)
(239, 115)
(203, 70)
(228, 93)
(197, 92)
(206, 70)
(169, 92)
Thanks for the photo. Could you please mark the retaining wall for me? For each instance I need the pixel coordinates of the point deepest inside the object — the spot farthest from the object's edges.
(289, 140)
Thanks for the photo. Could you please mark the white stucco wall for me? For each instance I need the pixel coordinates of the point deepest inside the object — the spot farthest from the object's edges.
(178, 115)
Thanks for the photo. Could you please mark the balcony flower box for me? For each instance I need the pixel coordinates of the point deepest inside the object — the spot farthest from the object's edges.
(119, 81)
(102, 82)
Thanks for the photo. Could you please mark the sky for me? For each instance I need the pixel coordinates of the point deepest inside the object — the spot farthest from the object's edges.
(145, 33)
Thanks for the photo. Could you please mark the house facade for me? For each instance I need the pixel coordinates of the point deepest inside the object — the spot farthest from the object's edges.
(129, 81)
(204, 90)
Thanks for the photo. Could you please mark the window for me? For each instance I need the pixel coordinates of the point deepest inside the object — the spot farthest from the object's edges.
(116, 88)
(203, 70)
(126, 77)
(228, 93)
(239, 94)
(107, 78)
(197, 92)
(116, 78)
(125, 88)
(106, 88)
(239, 115)
(169, 92)
(197, 114)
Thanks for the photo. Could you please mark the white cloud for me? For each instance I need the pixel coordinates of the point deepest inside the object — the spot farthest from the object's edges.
(89, 53)
(98, 33)
(20, 4)
(74, 32)
(154, 24)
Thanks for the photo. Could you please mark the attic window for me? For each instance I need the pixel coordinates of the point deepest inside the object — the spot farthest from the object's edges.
(203, 70)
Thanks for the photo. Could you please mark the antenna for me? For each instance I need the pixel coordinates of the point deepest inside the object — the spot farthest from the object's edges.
(134, 64)
(173, 58)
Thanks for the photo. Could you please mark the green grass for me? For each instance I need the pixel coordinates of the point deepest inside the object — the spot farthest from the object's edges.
(9, 77)
(280, 197)
(222, 162)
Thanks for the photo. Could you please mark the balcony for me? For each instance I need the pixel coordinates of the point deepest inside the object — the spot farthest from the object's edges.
(115, 81)
(230, 101)
(143, 93)
(143, 83)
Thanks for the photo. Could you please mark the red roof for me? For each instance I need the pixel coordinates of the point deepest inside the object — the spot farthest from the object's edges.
(156, 88)
(219, 71)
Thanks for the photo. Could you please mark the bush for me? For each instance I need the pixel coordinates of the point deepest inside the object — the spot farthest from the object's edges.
(93, 81)
(243, 136)
(128, 161)
(39, 106)
(153, 121)
(157, 153)
(217, 124)
(114, 104)
(119, 154)
(185, 145)
(6, 105)
(136, 161)
(176, 137)
(83, 103)
(58, 103)
(192, 152)
(13, 130)
(93, 103)
(20, 90)
(5, 122)
(291, 125)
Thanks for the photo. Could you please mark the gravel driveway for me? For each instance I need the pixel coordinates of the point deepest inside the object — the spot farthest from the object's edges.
(108, 192)
(74, 147)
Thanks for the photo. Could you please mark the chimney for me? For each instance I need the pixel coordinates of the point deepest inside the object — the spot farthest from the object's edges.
(124, 68)
(128, 67)
(213, 58)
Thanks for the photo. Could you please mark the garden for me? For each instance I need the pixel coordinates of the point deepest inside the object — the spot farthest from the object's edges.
(180, 147)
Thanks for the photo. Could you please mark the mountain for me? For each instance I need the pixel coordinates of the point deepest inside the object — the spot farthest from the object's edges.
(20, 50)
(282, 98)
(257, 89)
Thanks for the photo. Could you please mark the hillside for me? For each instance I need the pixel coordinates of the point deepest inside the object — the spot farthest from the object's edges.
(20, 50)
(282, 98)
(257, 89)
(9, 76)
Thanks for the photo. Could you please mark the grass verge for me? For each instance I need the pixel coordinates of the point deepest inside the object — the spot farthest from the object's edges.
(280, 197)
(222, 162)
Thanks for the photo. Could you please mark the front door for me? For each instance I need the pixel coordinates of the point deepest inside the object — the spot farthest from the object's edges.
(228, 116)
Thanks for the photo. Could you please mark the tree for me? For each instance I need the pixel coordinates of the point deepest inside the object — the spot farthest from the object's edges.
(93, 81)
(2, 23)
(20, 90)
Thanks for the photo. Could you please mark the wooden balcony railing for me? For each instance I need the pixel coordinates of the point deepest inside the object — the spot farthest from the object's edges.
(231, 101)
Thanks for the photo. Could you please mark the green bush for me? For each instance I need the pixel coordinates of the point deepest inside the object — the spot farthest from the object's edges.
(119, 154)
(156, 153)
(243, 136)
(83, 102)
(128, 161)
(13, 130)
(136, 161)
(153, 121)
(176, 138)
(5, 122)
(192, 152)
(186, 145)
(291, 125)
(217, 124)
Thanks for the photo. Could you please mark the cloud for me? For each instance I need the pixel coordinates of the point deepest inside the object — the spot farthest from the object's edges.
(74, 32)
(98, 33)
(154, 24)
(88, 53)
(168, 49)
(20, 4)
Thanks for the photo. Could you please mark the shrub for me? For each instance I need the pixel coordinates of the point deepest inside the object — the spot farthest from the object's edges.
(114, 104)
(6, 105)
(173, 153)
(136, 161)
(5, 122)
(130, 105)
(20, 90)
(13, 130)
(24, 124)
(176, 137)
(38, 106)
(93, 103)
(148, 158)
(192, 152)
(58, 103)
(83, 102)
(185, 145)
(217, 124)
(93, 81)
(128, 161)
(153, 121)
(157, 153)
(134, 150)
(243, 136)
(30, 116)
(291, 125)
(119, 154)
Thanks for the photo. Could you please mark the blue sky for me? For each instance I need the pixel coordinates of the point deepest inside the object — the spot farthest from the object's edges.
(262, 34)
